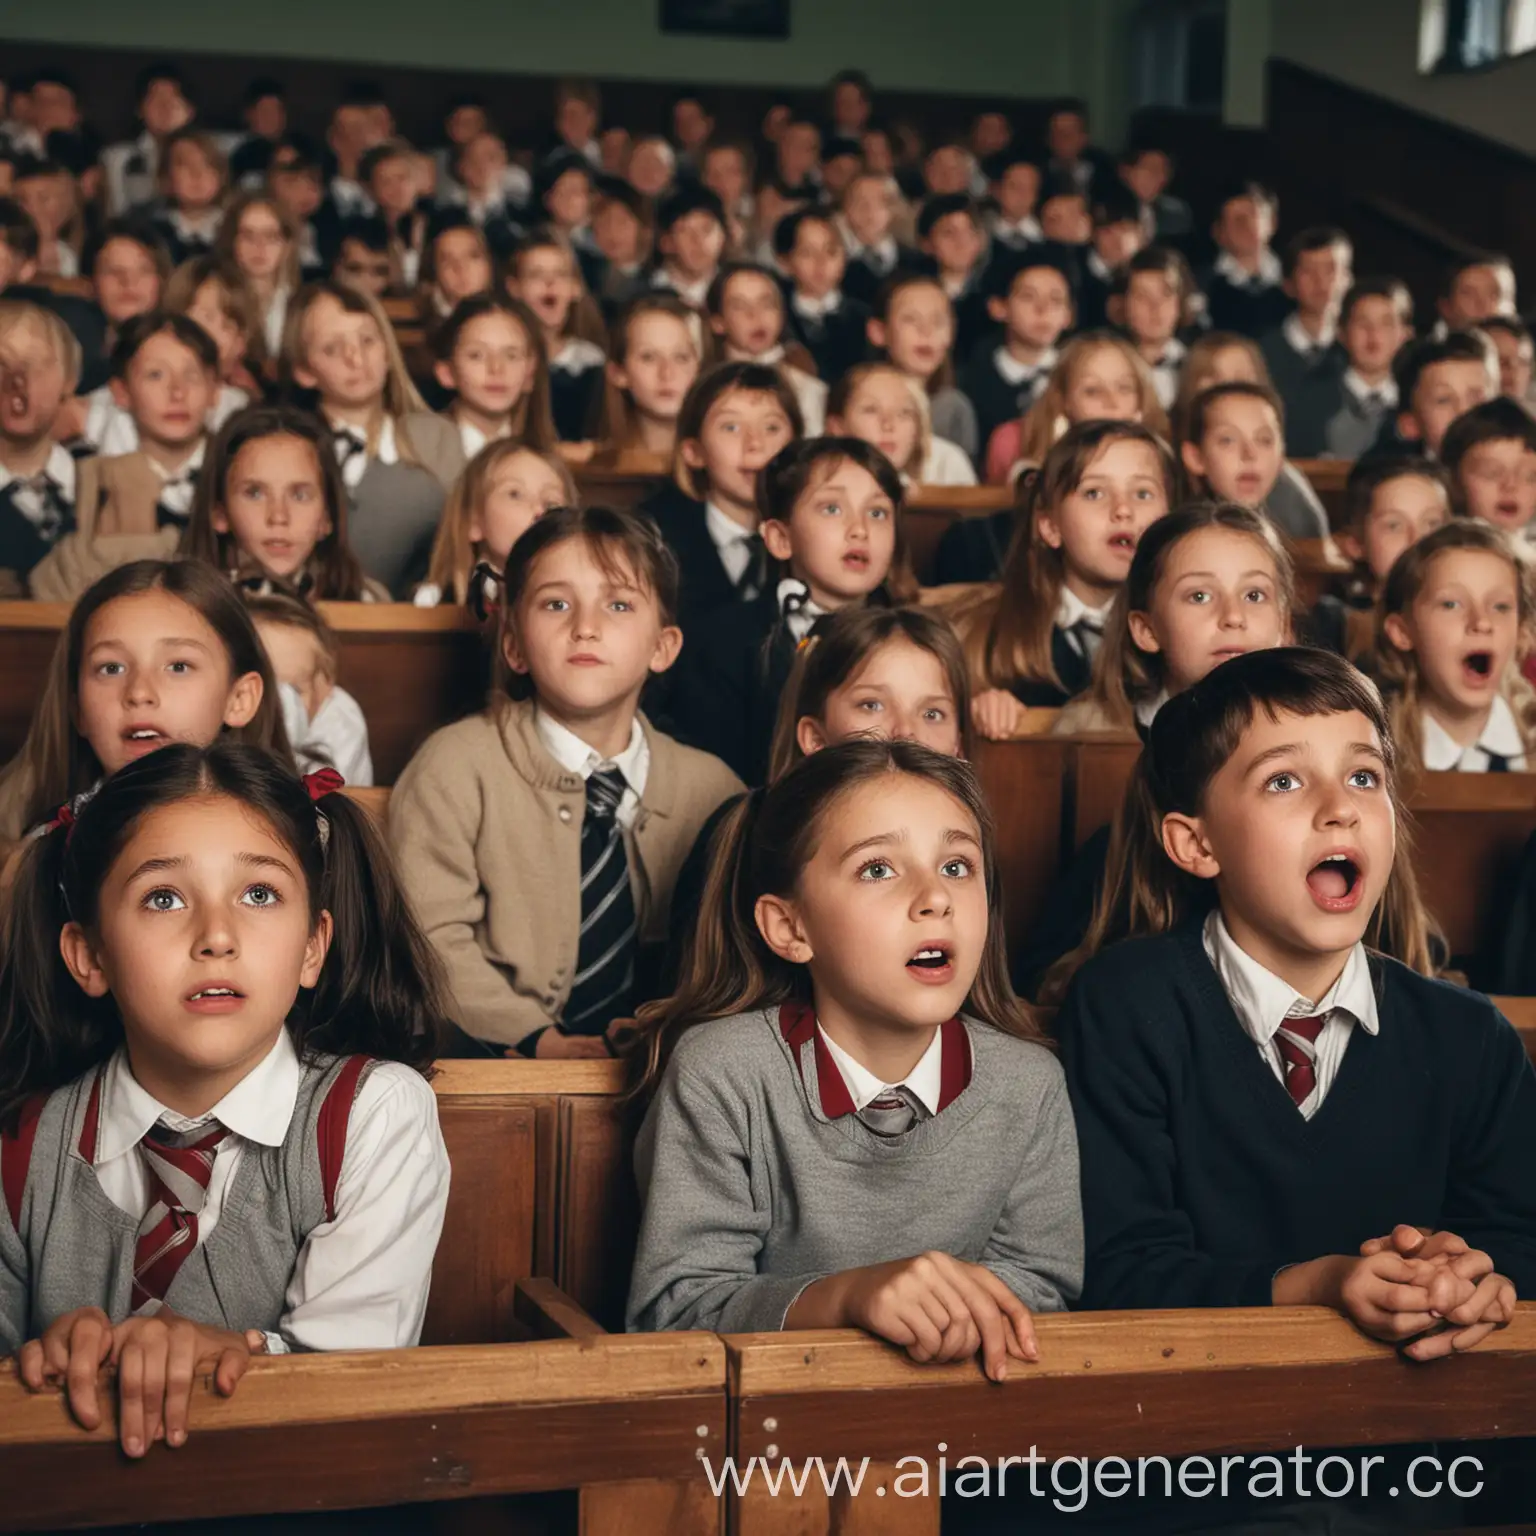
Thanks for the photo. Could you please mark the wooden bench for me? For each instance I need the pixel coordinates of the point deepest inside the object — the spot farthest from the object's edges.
(412, 670)
(1108, 1384)
(623, 1418)
(541, 1186)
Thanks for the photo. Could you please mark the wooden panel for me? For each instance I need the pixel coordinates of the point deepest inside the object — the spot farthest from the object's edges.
(362, 1430)
(487, 1241)
(1024, 782)
(1101, 770)
(1129, 1384)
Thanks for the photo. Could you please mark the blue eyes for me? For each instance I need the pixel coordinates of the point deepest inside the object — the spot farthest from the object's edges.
(1287, 783)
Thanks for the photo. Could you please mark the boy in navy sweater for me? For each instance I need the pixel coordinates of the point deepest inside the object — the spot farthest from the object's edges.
(1270, 1112)
(1242, 288)
(1305, 345)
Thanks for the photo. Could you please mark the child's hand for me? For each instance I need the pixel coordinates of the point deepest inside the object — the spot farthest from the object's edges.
(72, 1350)
(1490, 1306)
(996, 714)
(554, 1045)
(1441, 1249)
(1394, 1299)
(157, 1360)
(939, 1308)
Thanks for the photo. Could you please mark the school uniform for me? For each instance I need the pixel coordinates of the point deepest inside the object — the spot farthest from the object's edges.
(1296, 360)
(870, 266)
(1015, 234)
(810, 392)
(944, 463)
(1093, 170)
(36, 511)
(486, 825)
(1001, 388)
(1293, 506)
(1499, 748)
(274, 320)
(1340, 416)
(972, 549)
(1075, 639)
(187, 238)
(127, 507)
(335, 736)
(977, 1159)
(316, 1223)
(1094, 284)
(576, 388)
(395, 504)
(129, 173)
(471, 438)
(831, 329)
(1249, 303)
(1166, 219)
(691, 293)
(718, 560)
(1167, 370)
(954, 417)
(1221, 1143)
(968, 299)
(111, 430)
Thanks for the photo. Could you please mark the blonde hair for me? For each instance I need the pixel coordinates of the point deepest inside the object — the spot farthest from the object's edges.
(400, 396)
(1007, 636)
(454, 555)
(1046, 419)
(16, 315)
(840, 401)
(620, 425)
(1198, 363)
(1398, 671)
(207, 146)
(236, 300)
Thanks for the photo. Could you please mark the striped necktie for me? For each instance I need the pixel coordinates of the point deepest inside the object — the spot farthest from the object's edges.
(179, 1168)
(1296, 1040)
(605, 955)
(893, 1112)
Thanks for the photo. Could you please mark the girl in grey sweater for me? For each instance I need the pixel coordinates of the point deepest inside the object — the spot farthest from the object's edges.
(855, 1122)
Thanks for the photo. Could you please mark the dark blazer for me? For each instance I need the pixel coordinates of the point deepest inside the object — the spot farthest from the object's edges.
(1292, 374)
(973, 548)
(1250, 311)
(705, 585)
(1074, 670)
(836, 342)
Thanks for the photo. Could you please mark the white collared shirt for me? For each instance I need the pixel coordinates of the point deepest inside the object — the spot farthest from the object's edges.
(361, 1281)
(692, 293)
(1099, 268)
(354, 465)
(1146, 709)
(59, 467)
(337, 736)
(577, 356)
(1071, 609)
(1300, 340)
(1500, 736)
(730, 541)
(816, 309)
(880, 257)
(575, 756)
(923, 1081)
(275, 319)
(200, 231)
(799, 620)
(1012, 371)
(1018, 232)
(474, 439)
(1263, 1002)
(1166, 370)
(1386, 391)
(1269, 274)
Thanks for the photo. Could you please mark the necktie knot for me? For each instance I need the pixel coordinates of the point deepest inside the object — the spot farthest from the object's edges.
(179, 1165)
(1296, 1040)
(605, 792)
(893, 1111)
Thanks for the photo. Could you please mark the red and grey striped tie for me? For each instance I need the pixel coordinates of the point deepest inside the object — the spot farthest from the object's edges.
(179, 1168)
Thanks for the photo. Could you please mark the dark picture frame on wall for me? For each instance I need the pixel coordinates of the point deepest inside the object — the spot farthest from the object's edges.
(727, 18)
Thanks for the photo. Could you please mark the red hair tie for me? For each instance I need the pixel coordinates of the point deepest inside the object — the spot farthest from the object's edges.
(323, 782)
(63, 817)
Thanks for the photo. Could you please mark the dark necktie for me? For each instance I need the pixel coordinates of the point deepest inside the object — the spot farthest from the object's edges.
(179, 1167)
(351, 455)
(605, 955)
(894, 1112)
(1087, 636)
(1497, 762)
(174, 504)
(1296, 1040)
(754, 575)
(40, 501)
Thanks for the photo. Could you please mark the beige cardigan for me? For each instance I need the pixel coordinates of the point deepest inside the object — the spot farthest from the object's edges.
(486, 829)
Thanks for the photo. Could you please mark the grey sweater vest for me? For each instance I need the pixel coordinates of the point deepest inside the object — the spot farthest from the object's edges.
(74, 1248)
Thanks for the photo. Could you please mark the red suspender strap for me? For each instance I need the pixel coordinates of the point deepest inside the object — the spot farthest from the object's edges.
(16, 1155)
(335, 1115)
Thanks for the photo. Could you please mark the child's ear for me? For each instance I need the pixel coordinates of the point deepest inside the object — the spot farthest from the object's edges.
(1350, 545)
(1193, 459)
(512, 650)
(219, 518)
(81, 960)
(1185, 843)
(443, 373)
(316, 948)
(875, 331)
(244, 700)
(809, 736)
(782, 931)
(1048, 530)
(618, 377)
(1143, 636)
(997, 309)
(668, 643)
(305, 377)
(1408, 426)
(717, 325)
(1115, 310)
(692, 451)
(120, 392)
(1396, 631)
(776, 538)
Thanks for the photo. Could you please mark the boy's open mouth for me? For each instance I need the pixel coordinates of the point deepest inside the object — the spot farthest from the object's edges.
(1335, 882)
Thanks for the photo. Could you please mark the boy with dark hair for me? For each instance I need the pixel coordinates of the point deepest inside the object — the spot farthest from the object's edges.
(693, 125)
(690, 238)
(266, 121)
(852, 101)
(1318, 271)
(132, 167)
(819, 315)
(1064, 215)
(841, 161)
(1242, 288)
(1014, 178)
(1029, 294)
(1069, 151)
(1475, 288)
(1117, 236)
(1511, 338)
(296, 180)
(951, 237)
(362, 257)
(1146, 170)
(865, 224)
(1341, 412)
(1437, 381)
(1490, 455)
(1147, 302)
(577, 116)
(18, 268)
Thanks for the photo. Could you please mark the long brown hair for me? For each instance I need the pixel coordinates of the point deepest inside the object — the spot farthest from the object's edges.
(1007, 637)
(1124, 675)
(838, 646)
(620, 427)
(532, 422)
(761, 848)
(1194, 376)
(453, 554)
(57, 762)
(1398, 671)
(1043, 421)
(333, 573)
(1190, 741)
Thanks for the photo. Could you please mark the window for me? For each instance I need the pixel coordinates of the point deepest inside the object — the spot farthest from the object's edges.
(1459, 35)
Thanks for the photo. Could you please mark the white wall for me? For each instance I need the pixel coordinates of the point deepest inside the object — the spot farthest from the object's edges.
(1373, 45)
